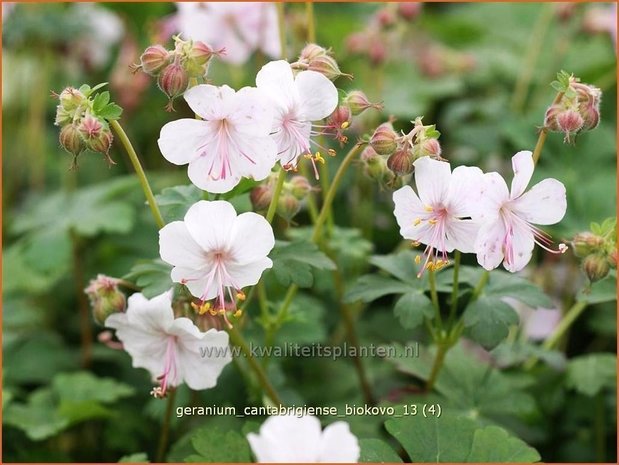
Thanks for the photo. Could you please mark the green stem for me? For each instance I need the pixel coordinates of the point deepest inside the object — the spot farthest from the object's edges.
(439, 360)
(311, 27)
(165, 429)
(137, 166)
(278, 190)
(434, 297)
(480, 285)
(541, 140)
(281, 24)
(266, 385)
(454, 291)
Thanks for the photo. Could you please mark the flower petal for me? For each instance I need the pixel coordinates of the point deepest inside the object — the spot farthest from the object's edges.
(523, 166)
(493, 196)
(338, 444)
(210, 224)
(178, 248)
(256, 156)
(198, 172)
(489, 244)
(465, 191)
(432, 178)
(544, 203)
(408, 209)
(253, 114)
(251, 237)
(247, 274)
(180, 141)
(461, 235)
(210, 102)
(519, 247)
(317, 95)
(277, 81)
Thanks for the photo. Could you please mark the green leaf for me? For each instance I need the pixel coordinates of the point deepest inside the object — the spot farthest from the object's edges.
(412, 308)
(502, 284)
(401, 265)
(153, 276)
(371, 287)
(293, 262)
(90, 91)
(175, 201)
(305, 323)
(84, 386)
(589, 374)
(601, 291)
(488, 320)
(110, 112)
(454, 438)
(377, 451)
(138, 457)
(100, 101)
(38, 418)
(213, 445)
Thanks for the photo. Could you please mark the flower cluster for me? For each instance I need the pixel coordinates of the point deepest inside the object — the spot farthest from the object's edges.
(576, 110)
(291, 197)
(470, 211)
(83, 120)
(597, 249)
(105, 297)
(175, 68)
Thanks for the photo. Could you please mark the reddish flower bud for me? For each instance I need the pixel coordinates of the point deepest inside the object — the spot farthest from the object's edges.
(341, 117)
(550, 119)
(356, 43)
(383, 140)
(102, 143)
(105, 298)
(261, 196)
(154, 59)
(358, 102)
(173, 81)
(586, 243)
(569, 122)
(401, 162)
(300, 187)
(385, 17)
(375, 166)
(326, 65)
(90, 127)
(596, 267)
(591, 117)
(430, 148)
(71, 140)
(288, 206)
(377, 52)
(311, 52)
(202, 53)
(409, 10)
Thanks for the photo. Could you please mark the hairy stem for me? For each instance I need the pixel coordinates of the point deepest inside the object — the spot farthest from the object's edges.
(278, 190)
(139, 171)
(543, 133)
(439, 360)
(454, 291)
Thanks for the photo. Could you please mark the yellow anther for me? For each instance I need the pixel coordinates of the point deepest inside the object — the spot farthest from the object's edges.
(213, 311)
(238, 313)
(331, 152)
(417, 222)
(428, 208)
(205, 307)
(432, 222)
(195, 306)
(430, 266)
(307, 155)
(418, 259)
(345, 125)
(221, 311)
(240, 295)
(318, 158)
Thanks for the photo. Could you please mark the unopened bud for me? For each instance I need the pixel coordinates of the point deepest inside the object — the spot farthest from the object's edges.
(377, 51)
(311, 52)
(300, 187)
(590, 115)
(569, 122)
(261, 196)
(288, 206)
(409, 10)
(341, 117)
(63, 116)
(173, 81)
(550, 119)
(105, 298)
(326, 65)
(201, 52)
(102, 143)
(385, 17)
(71, 98)
(375, 166)
(586, 243)
(358, 102)
(71, 140)
(154, 59)
(612, 259)
(430, 148)
(596, 266)
(383, 140)
(401, 162)
(90, 127)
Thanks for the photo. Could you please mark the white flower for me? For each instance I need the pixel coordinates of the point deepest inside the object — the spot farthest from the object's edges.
(170, 349)
(507, 233)
(239, 27)
(289, 439)
(298, 101)
(231, 141)
(439, 214)
(216, 253)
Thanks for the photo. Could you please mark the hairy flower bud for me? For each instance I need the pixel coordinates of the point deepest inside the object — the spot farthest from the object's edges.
(261, 196)
(385, 17)
(586, 243)
(173, 81)
(341, 117)
(375, 166)
(596, 267)
(102, 143)
(63, 116)
(202, 53)
(154, 59)
(70, 139)
(383, 140)
(326, 65)
(569, 122)
(409, 10)
(300, 187)
(71, 98)
(90, 127)
(105, 298)
(288, 206)
(401, 162)
(591, 116)
(311, 52)
(430, 148)
(358, 102)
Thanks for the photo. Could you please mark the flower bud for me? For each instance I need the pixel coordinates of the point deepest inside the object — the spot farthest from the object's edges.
(154, 59)
(201, 53)
(90, 127)
(311, 52)
(612, 259)
(586, 243)
(288, 206)
(596, 266)
(401, 162)
(105, 298)
(71, 98)
(377, 51)
(375, 166)
(385, 17)
(326, 65)
(409, 10)
(300, 187)
(358, 102)
(569, 122)
(102, 143)
(63, 116)
(590, 115)
(71, 140)
(550, 119)
(383, 140)
(430, 148)
(341, 117)
(261, 196)
(173, 81)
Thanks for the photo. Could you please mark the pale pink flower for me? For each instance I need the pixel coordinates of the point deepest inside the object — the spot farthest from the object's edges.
(231, 141)
(439, 214)
(537, 323)
(171, 349)
(239, 27)
(289, 439)
(507, 233)
(216, 253)
(298, 100)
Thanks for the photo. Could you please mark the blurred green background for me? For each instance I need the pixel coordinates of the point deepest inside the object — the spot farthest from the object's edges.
(480, 72)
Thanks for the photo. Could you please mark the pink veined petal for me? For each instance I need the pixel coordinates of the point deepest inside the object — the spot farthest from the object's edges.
(256, 156)
(292, 141)
(317, 95)
(178, 248)
(196, 281)
(276, 79)
(465, 191)
(338, 444)
(153, 315)
(489, 244)
(432, 178)
(461, 235)
(210, 224)
(493, 196)
(522, 243)
(247, 274)
(522, 164)
(408, 208)
(180, 140)
(198, 173)
(287, 439)
(251, 238)
(253, 114)
(210, 102)
(544, 203)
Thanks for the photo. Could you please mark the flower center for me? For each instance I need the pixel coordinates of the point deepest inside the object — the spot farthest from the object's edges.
(169, 370)
(436, 219)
